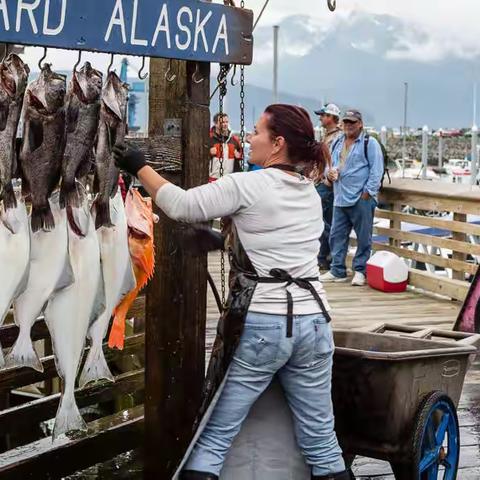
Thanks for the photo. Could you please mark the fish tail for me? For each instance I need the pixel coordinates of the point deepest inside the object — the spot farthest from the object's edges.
(95, 367)
(69, 195)
(116, 339)
(68, 417)
(9, 198)
(42, 218)
(23, 354)
(102, 214)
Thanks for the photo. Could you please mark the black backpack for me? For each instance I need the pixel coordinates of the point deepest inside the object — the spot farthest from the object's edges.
(365, 148)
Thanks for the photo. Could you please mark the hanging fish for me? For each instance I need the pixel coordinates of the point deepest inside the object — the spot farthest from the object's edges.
(13, 82)
(49, 272)
(43, 143)
(140, 221)
(70, 312)
(14, 257)
(119, 280)
(111, 130)
(82, 111)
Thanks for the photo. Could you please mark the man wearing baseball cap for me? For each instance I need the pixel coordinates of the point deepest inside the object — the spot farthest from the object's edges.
(329, 118)
(357, 171)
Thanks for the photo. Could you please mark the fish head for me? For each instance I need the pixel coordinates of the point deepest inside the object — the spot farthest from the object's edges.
(47, 93)
(14, 76)
(114, 97)
(87, 83)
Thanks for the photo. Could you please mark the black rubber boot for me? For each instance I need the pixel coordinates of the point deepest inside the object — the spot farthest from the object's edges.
(193, 475)
(346, 475)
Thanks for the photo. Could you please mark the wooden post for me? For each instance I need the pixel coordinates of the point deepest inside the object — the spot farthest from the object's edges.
(462, 237)
(176, 297)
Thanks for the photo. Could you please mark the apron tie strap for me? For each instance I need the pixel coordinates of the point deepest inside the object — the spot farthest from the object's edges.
(278, 275)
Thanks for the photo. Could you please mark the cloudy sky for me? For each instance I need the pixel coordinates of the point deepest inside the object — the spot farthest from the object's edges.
(450, 26)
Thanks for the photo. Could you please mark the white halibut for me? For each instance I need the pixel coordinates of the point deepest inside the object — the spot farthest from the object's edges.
(49, 272)
(14, 257)
(119, 280)
(70, 311)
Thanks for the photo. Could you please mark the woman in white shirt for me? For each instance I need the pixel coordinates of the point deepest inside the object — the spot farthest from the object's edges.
(276, 323)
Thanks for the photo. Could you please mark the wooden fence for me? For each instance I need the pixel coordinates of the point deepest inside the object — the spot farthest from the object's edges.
(441, 246)
(29, 398)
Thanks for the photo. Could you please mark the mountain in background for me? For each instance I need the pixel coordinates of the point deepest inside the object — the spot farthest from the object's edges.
(362, 61)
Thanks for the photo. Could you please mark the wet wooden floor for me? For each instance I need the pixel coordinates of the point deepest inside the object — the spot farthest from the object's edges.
(357, 307)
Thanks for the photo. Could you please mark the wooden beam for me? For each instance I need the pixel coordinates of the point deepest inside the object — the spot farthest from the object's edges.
(176, 296)
(30, 413)
(431, 259)
(458, 245)
(45, 459)
(459, 254)
(19, 377)
(434, 222)
(433, 283)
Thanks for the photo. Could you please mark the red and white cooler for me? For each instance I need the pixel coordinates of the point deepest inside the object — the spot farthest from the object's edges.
(387, 272)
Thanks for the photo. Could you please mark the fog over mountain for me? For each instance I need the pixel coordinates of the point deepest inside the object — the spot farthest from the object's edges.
(363, 61)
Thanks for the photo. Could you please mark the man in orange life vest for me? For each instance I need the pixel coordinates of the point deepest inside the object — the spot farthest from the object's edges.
(220, 134)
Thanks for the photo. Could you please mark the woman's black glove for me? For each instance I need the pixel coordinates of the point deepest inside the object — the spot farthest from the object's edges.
(128, 158)
(200, 239)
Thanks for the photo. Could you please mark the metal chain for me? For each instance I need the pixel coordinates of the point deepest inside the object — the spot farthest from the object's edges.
(222, 82)
(242, 105)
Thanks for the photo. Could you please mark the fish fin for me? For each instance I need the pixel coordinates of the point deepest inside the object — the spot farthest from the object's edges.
(23, 354)
(68, 418)
(9, 198)
(102, 213)
(116, 339)
(42, 218)
(95, 368)
(69, 194)
(2, 359)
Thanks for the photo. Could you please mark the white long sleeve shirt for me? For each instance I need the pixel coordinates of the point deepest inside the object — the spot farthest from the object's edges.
(278, 218)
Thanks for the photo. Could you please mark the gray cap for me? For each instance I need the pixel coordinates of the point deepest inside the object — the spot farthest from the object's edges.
(353, 116)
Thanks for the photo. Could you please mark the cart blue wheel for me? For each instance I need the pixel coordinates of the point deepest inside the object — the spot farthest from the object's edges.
(436, 441)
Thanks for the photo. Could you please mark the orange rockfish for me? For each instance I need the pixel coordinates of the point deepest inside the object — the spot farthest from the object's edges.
(140, 220)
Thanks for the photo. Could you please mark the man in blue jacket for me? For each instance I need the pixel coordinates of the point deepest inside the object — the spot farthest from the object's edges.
(356, 173)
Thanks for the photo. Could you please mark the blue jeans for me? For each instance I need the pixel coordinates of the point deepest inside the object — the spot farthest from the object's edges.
(360, 218)
(304, 367)
(326, 194)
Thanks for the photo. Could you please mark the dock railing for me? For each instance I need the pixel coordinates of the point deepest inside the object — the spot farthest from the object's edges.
(432, 226)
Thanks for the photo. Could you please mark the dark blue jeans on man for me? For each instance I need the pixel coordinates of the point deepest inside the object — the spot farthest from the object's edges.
(358, 217)
(326, 194)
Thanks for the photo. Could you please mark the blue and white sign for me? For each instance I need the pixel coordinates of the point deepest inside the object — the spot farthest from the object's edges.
(181, 29)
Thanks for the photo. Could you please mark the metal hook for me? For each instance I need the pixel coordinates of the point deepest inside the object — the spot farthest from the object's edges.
(40, 66)
(5, 53)
(232, 80)
(197, 72)
(332, 5)
(140, 76)
(78, 61)
(111, 63)
(170, 78)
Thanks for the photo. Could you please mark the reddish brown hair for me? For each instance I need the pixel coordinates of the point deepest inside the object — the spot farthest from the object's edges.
(294, 125)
